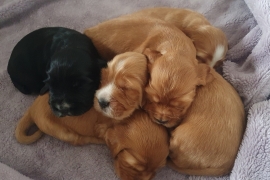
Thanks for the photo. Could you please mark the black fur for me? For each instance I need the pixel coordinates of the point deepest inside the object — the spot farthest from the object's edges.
(60, 60)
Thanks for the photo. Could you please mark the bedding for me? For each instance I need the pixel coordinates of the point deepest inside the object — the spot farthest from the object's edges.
(246, 24)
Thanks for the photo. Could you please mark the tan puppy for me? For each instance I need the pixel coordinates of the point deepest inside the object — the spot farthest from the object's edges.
(139, 146)
(173, 68)
(122, 90)
(210, 42)
(207, 140)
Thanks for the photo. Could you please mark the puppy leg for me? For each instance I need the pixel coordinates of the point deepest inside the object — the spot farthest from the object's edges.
(63, 133)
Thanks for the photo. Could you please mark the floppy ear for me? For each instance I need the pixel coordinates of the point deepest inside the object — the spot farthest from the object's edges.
(112, 142)
(151, 55)
(204, 74)
(127, 157)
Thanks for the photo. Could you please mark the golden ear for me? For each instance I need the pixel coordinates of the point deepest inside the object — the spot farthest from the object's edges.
(204, 74)
(131, 160)
(151, 55)
(111, 140)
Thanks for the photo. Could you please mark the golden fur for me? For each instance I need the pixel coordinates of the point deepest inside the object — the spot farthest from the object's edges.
(76, 130)
(207, 140)
(122, 87)
(139, 146)
(210, 42)
(172, 65)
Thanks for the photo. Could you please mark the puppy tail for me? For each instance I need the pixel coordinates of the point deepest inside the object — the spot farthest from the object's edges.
(23, 126)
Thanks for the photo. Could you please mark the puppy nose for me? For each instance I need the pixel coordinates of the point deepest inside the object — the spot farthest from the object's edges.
(160, 121)
(103, 103)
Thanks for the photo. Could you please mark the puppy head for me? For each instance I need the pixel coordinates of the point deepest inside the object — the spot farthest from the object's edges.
(172, 86)
(122, 85)
(73, 77)
(139, 147)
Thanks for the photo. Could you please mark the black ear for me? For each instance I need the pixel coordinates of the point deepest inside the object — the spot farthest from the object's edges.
(44, 89)
(151, 55)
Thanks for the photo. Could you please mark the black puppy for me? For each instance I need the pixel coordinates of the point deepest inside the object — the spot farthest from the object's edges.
(60, 60)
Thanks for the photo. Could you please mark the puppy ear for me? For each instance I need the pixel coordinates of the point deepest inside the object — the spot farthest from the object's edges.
(204, 74)
(151, 55)
(111, 140)
(127, 157)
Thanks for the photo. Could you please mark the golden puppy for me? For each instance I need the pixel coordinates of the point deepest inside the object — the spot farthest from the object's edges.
(121, 92)
(139, 146)
(207, 140)
(210, 42)
(172, 65)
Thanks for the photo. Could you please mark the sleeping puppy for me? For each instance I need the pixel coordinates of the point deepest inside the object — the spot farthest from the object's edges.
(210, 42)
(139, 146)
(60, 60)
(172, 65)
(207, 140)
(122, 86)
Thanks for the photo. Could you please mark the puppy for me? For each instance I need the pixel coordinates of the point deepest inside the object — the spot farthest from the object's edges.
(210, 42)
(172, 65)
(122, 87)
(60, 60)
(207, 140)
(139, 146)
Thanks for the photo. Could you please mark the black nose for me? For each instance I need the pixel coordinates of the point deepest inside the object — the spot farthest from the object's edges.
(160, 121)
(103, 103)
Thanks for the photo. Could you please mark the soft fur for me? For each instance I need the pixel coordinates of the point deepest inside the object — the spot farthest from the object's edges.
(210, 42)
(60, 60)
(172, 65)
(207, 140)
(139, 146)
(121, 92)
